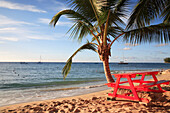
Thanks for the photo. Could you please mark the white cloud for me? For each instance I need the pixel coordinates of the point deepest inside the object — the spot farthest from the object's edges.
(12, 30)
(126, 48)
(44, 20)
(54, 36)
(160, 52)
(18, 6)
(163, 52)
(7, 21)
(59, 23)
(56, 5)
(20, 34)
(129, 44)
(60, 5)
(6, 38)
(159, 45)
(7, 29)
(25, 36)
(40, 37)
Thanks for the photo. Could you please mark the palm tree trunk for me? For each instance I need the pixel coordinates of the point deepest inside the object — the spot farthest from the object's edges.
(106, 67)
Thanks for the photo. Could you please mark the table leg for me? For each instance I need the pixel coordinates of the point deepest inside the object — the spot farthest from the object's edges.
(155, 79)
(142, 79)
(133, 88)
(116, 86)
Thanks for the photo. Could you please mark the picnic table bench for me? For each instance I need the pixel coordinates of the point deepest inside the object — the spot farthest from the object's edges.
(135, 86)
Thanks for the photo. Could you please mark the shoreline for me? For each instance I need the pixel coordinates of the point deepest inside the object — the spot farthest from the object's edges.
(93, 99)
(42, 94)
(84, 96)
(53, 93)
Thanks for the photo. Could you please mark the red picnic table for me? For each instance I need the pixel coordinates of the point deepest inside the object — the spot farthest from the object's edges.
(139, 86)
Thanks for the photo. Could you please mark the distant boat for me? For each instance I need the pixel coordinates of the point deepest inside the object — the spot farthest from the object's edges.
(39, 61)
(23, 63)
(122, 62)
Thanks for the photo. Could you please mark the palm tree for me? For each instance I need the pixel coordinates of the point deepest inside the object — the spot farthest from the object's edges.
(103, 20)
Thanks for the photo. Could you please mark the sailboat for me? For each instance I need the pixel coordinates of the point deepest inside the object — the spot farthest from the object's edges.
(122, 62)
(39, 61)
(23, 63)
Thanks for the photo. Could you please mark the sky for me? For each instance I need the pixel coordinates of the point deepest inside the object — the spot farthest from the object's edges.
(25, 35)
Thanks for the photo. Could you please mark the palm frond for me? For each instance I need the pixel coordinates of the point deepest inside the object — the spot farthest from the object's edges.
(144, 12)
(83, 7)
(94, 39)
(67, 67)
(155, 33)
(166, 13)
(79, 30)
(119, 9)
(115, 31)
(71, 14)
(122, 6)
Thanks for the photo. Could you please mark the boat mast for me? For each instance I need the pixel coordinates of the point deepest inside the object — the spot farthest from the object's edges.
(40, 58)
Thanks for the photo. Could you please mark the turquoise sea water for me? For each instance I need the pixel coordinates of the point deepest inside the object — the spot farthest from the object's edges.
(32, 81)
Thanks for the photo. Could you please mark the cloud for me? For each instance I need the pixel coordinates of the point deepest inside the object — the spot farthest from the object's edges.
(7, 21)
(54, 36)
(6, 38)
(12, 30)
(25, 36)
(19, 34)
(56, 5)
(44, 20)
(7, 29)
(60, 6)
(59, 23)
(18, 6)
(129, 44)
(40, 37)
(161, 52)
(159, 45)
(126, 48)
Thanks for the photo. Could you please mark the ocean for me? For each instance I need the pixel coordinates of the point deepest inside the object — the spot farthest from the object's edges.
(26, 82)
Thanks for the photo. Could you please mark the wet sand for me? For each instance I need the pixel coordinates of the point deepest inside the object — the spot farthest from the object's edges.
(97, 103)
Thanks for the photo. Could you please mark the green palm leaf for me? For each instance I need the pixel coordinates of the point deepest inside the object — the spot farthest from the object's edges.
(119, 9)
(67, 67)
(154, 33)
(80, 30)
(83, 7)
(115, 31)
(166, 13)
(71, 14)
(145, 11)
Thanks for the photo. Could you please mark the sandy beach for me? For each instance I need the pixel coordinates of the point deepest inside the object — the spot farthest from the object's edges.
(97, 103)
